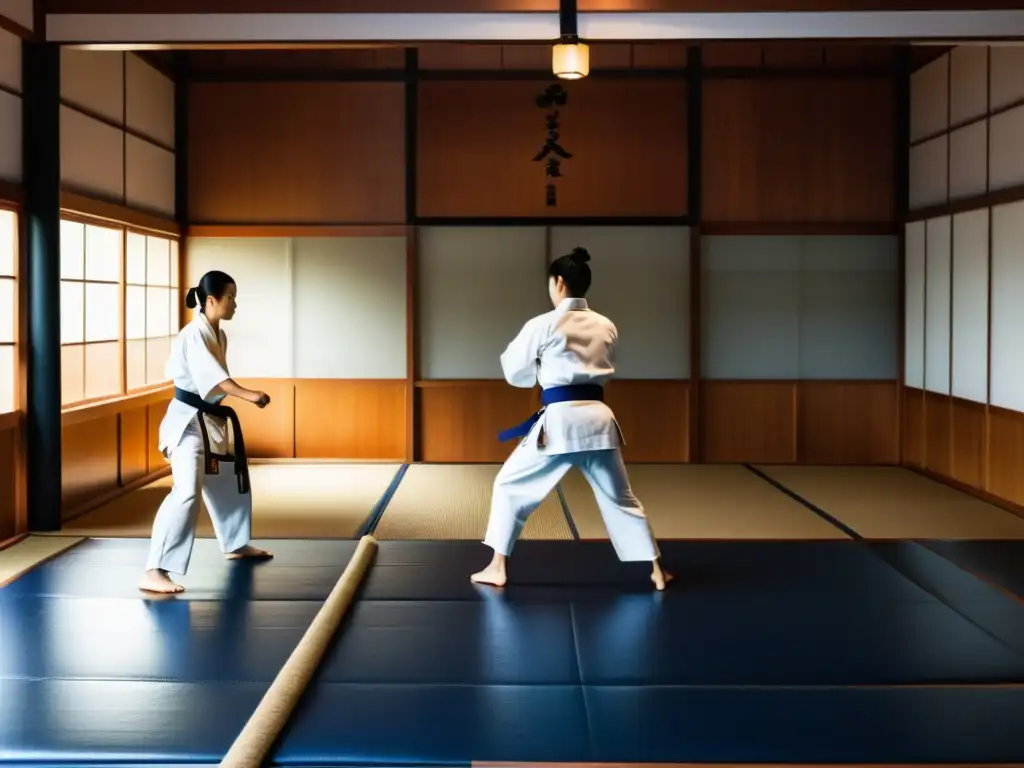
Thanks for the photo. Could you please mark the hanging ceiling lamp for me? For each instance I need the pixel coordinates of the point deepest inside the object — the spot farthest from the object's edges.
(570, 59)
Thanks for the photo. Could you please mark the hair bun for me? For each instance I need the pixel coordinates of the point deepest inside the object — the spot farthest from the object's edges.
(580, 255)
(190, 298)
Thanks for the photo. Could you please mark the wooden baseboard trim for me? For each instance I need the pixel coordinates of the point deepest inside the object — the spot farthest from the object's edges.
(105, 498)
(7, 543)
(970, 490)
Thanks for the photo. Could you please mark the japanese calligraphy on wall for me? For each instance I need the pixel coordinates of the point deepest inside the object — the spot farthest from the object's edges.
(552, 153)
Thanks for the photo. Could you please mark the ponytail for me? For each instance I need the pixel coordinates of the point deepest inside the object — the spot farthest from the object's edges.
(213, 284)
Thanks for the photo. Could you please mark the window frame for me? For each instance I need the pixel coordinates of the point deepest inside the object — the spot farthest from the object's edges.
(123, 393)
(20, 318)
(176, 297)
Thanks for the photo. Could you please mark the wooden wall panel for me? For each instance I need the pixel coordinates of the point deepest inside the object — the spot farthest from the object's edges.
(800, 150)
(913, 427)
(350, 419)
(848, 422)
(270, 432)
(297, 153)
(654, 417)
(8, 483)
(89, 455)
(967, 442)
(134, 445)
(1006, 454)
(805, 422)
(976, 448)
(748, 421)
(477, 141)
(937, 433)
(459, 421)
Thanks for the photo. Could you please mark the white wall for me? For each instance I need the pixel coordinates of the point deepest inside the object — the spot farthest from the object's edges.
(800, 307)
(476, 286)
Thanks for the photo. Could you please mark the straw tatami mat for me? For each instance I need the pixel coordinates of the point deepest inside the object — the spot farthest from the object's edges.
(896, 503)
(711, 501)
(453, 501)
(310, 501)
(19, 558)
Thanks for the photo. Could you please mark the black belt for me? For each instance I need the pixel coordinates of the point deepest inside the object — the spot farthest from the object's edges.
(213, 459)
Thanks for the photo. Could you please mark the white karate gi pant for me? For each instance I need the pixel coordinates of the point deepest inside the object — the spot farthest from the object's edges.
(174, 529)
(530, 475)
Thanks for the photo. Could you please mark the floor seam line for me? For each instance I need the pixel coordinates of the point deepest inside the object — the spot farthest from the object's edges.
(582, 685)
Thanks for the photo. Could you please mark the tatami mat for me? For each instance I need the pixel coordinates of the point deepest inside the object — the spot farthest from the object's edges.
(896, 503)
(453, 501)
(29, 552)
(710, 501)
(314, 501)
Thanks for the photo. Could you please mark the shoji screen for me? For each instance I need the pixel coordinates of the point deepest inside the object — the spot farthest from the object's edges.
(914, 301)
(1007, 307)
(929, 118)
(938, 245)
(10, 106)
(117, 129)
(970, 306)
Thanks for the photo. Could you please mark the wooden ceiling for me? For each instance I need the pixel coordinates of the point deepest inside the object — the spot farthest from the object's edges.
(326, 63)
(505, 6)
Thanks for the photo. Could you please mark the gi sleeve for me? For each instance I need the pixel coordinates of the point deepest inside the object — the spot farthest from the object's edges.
(204, 368)
(520, 360)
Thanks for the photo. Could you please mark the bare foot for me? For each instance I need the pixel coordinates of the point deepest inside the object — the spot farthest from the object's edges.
(249, 552)
(494, 575)
(661, 579)
(159, 582)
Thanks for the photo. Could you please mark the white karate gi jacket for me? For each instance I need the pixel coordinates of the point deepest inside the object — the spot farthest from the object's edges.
(197, 364)
(571, 344)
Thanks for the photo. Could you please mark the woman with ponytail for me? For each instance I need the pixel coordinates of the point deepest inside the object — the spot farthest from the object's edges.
(570, 352)
(194, 438)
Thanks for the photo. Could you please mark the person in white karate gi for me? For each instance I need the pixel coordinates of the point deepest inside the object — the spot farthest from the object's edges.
(194, 438)
(570, 352)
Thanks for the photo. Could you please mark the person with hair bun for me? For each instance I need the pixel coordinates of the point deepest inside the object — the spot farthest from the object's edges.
(570, 352)
(194, 438)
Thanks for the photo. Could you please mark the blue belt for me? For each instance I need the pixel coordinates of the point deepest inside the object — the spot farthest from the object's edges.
(554, 395)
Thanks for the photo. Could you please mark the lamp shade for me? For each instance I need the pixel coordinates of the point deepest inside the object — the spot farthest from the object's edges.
(570, 61)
